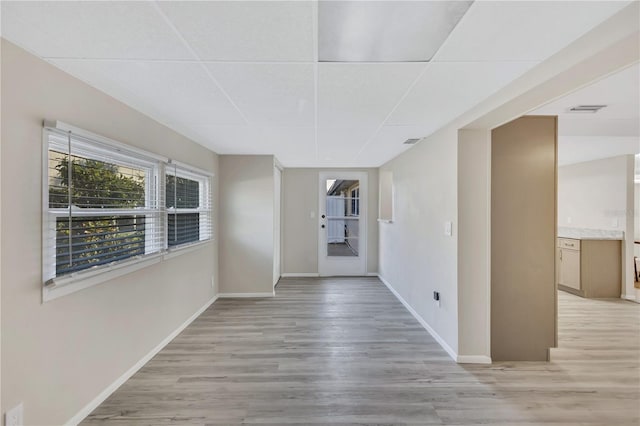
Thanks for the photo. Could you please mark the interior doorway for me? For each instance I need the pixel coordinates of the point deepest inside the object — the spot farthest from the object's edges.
(342, 224)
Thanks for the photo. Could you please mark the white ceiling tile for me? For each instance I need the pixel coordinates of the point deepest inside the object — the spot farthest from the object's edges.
(270, 94)
(167, 91)
(245, 31)
(389, 143)
(522, 30)
(618, 127)
(446, 90)
(385, 31)
(290, 145)
(88, 29)
(577, 149)
(620, 92)
(342, 143)
(361, 95)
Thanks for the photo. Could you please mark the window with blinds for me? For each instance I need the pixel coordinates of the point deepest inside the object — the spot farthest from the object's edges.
(107, 205)
(188, 206)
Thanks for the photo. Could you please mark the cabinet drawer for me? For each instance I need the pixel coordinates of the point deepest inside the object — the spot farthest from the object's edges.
(569, 243)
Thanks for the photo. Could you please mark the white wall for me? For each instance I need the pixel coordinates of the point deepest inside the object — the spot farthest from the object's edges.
(247, 215)
(300, 230)
(58, 356)
(416, 258)
(599, 195)
(593, 194)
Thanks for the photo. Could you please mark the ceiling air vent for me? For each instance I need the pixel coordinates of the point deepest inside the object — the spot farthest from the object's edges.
(587, 108)
(411, 141)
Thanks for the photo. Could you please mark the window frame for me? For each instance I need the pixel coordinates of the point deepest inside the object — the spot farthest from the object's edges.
(156, 248)
(205, 233)
(355, 201)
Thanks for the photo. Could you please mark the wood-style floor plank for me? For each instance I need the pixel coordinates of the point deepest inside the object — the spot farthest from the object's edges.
(345, 351)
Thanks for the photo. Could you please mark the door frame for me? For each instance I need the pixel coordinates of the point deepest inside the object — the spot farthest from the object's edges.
(324, 264)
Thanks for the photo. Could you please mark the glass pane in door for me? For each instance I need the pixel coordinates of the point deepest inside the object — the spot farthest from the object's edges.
(343, 217)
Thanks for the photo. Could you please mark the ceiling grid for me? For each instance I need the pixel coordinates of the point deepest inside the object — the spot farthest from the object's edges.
(261, 77)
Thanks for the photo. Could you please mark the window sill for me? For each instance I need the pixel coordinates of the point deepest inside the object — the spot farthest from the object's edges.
(85, 279)
(188, 248)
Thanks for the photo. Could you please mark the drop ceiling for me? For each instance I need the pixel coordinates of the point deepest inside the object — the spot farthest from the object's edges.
(613, 130)
(243, 77)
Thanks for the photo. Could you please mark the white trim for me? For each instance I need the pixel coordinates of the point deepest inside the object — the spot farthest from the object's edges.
(343, 266)
(630, 298)
(237, 295)
(422, 322)
(473, 359)
(80, 280)
(372, 274)
(102, 396)
(299, 275)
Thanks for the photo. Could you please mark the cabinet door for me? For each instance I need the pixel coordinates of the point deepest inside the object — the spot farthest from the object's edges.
(569, 268)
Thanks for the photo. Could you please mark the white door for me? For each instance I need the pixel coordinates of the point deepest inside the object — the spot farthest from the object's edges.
(342, 223)
(277, 188)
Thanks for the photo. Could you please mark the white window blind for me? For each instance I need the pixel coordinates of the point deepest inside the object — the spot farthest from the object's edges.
(103, 205)
(188, 201)
(107, 205)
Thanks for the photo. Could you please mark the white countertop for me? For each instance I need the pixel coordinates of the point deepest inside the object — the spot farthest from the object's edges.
(589, 234)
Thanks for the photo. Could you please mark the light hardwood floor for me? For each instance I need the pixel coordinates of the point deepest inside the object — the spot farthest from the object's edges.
(346, 351)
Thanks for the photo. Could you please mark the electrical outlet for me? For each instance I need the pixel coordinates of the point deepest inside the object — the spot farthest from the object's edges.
(15, 416)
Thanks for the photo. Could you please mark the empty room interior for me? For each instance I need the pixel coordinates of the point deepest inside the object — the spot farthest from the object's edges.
(320, 212)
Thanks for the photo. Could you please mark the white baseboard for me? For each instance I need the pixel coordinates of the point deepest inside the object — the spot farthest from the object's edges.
(372, 274)
(422, 322)
(473, 359)
(300, 275)
(102, 396)
(630, 298)
(236, 295)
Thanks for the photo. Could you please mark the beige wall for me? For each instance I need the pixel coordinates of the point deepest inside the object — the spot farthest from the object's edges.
(523, 239)
(247, 211)
(58, 356)
(300, 231)
(416, 257)
(474, 226)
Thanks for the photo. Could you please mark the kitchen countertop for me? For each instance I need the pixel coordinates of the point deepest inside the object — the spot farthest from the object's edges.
(589, 234)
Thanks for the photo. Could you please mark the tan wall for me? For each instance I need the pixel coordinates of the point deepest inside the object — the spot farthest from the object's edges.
(474, 227)
(247, 211)
(523, 239)
(300, 231)
(58, 356)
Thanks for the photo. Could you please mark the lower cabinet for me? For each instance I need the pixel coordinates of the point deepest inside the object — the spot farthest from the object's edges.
(589, 268)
